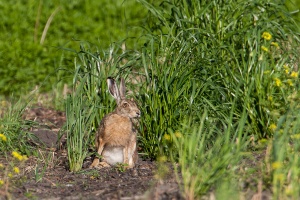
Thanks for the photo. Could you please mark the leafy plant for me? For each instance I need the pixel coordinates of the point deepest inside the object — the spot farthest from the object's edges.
(121, 167)
(41, 167)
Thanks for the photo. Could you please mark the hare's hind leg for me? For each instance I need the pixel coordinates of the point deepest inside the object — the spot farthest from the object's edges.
(132, 153)
(125, 155)
(129, 150)
(100, 148)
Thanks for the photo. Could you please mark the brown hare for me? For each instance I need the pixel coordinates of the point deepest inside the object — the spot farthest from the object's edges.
(116, 138)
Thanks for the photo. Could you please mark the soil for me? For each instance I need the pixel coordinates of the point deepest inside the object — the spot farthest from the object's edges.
(49, 178)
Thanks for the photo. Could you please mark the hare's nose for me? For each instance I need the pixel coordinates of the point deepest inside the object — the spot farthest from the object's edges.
(138, 113)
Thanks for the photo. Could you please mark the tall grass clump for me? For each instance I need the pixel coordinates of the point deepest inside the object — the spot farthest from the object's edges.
(14, 130)
(283, 165)
(80, 115)
(168, 95)
(209, 54)
(236, 60)
(89, 100)
(205, 164)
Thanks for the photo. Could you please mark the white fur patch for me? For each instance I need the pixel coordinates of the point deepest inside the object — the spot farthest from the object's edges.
(112, 155)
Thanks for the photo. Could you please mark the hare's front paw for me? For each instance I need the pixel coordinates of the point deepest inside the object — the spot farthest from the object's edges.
(98, 165)
(102, 165)
(95, 163)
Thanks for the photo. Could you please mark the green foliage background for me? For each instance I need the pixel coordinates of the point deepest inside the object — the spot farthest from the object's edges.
(210, 82)
(25, 62)
(294, 7)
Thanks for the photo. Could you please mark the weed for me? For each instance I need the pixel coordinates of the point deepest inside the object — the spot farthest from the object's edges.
(121, 167)
(13, 130)
(9, 171)
(41, 167)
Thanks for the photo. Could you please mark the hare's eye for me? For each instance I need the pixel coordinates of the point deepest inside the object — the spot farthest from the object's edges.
(125, 105)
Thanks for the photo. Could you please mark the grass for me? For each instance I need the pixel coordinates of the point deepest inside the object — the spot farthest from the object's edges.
(35, 35)
(238, 64)
(285, 147)
(89, 102)
(10, 171)
(209, 85)
(199, 166)
(217, 83)
(14, 130)
(78, 127)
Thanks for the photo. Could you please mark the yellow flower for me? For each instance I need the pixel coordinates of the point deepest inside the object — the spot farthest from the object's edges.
(294, 74)
(264, 49)
(279, 177)
(275, 44)
(4, 103)
(296, 136)
(286, 71)
(167, 137)
(263, 141)
(17, 155)
(285, 66)
(16, 170)
(10, 175)
(178, 134)
(276, 165)
(289, 190)
(290, 82)
(1, 165)
(1, 182)
(24, 157)
(270, 98)
(266, 36)
(278, 82)
(272, 127)
(3, 137)
(162, 159)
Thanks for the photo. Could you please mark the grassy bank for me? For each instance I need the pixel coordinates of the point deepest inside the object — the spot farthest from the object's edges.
(217, 83)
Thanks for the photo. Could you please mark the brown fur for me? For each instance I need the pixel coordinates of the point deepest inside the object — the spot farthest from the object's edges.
(116, 128)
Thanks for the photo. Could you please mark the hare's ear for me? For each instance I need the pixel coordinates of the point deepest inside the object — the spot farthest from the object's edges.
(113, 89)
(122, 89)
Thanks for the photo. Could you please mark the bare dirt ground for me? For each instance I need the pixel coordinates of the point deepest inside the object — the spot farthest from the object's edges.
(49, 178)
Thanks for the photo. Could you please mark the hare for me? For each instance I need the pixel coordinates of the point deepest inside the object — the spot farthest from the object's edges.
(116, 137)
